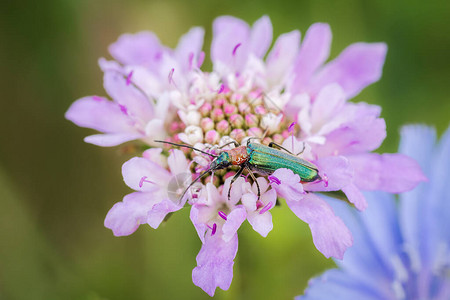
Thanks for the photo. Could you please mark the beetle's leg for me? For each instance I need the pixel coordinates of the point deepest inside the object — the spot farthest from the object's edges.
(236, 144)
(236, 176)
(254, 179)
(303, 149)
(257, 138)
(275, 145)
(252, 138)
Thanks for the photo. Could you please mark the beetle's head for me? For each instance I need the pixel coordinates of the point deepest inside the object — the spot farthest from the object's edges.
(221, 162)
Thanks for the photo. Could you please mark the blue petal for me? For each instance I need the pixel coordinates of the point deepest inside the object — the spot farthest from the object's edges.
(337, 285)
(439, 196)
(363, 260)
(381, 224)
(418, 142)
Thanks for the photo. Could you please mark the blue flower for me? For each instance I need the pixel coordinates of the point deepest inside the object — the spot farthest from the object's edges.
(401, 249)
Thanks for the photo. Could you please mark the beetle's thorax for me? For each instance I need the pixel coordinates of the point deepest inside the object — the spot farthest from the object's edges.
(238, 155)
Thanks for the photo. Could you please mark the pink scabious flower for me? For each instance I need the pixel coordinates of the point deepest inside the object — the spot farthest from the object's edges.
(288, 95)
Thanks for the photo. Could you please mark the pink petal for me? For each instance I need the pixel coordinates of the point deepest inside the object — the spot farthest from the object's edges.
(263, 186)
(150, 83)
(327, 104)
(111, 139)
(213, 194)
(293, 145)
(100, 114)
(236, 190)
(215, 264)
(363, 132)
(269, 197)
(160, 210)
(230, 41)
(142, 48)
(234, 220)
(283, 53)
(290, 186)
(335, 171)
(393, 173)
(330, 235)
(249, 201)
(260, 220)
(314, 51)
(189, 48)
(261, 223)
(154, 155)
(261, 36)
(141, 174)
(355, 196)
(358, 66)
(126, 216)
(155, 130)
(136, 103)
(110, 65)
(197, 220)
(178, 163)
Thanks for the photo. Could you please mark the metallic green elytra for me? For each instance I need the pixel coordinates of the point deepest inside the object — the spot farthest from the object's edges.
(266, 160)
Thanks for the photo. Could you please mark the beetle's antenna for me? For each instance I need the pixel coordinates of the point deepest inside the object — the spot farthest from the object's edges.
(195, 180)
(186, 146)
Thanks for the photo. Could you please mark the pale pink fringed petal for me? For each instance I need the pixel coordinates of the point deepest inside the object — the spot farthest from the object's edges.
(215, 264)
(330, 235)
(358, 66)
(126, 216)
(394, 173)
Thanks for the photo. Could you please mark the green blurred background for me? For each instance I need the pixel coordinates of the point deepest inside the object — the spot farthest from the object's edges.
(55, 190)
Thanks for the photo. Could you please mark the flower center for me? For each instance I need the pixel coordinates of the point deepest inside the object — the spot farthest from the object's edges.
(229, 116)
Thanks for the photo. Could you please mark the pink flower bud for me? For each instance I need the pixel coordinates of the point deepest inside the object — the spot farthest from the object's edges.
(229, 109)
(237, 134)
(244, 107)
(173, 127)
(219, 102)
(212, 137)
(181, 126)
(217, 114)
(251, 120)
(205, 109)
(260, 110)
(175, 139)
(207, 124)
(215, 180)
(236, 98)
(278, 138)
(223, 127)
(256, 98)
(236, 121)
(256, 94)
(229, 174)
(255, 131)
(267, 141)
